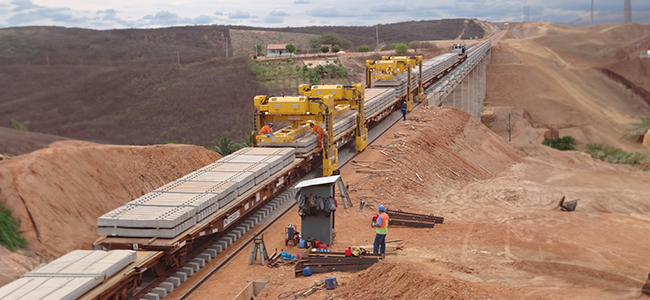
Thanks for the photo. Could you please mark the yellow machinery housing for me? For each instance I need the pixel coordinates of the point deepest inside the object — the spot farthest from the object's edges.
(346, 97)
(298, 111)
(391, 66)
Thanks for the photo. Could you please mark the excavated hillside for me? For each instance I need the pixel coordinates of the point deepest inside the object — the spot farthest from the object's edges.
(59, 192)
(586, 82)
(503, 236)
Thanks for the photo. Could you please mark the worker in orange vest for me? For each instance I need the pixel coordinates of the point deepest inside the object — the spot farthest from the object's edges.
(266, 130)
(317, 129)
(381, 227)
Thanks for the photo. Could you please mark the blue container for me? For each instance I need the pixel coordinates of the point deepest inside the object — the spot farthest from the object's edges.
(302, 244)
(331, 283)
(306, 271)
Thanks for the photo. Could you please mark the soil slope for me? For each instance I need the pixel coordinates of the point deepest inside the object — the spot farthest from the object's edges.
(585, 82)
(59, 192)
(503, 236)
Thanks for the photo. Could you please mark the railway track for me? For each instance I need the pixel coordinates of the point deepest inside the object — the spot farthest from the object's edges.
(164, 263)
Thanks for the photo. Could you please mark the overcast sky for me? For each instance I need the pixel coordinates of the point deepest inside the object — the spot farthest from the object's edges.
(108, 14)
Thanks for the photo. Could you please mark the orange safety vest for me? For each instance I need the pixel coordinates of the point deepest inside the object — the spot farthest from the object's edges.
(383, 227)
(265, 130)
(317, 129)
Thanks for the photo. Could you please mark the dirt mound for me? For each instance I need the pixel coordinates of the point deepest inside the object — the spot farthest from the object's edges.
(393, 279)
(459, 149)
(59, 192)
(16, 142)
(13, 265)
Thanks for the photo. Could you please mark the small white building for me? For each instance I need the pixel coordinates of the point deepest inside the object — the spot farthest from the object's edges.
(277, 50)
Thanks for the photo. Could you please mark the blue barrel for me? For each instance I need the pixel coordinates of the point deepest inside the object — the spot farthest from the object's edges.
(306, 271)
(331, 283)
(302, 243)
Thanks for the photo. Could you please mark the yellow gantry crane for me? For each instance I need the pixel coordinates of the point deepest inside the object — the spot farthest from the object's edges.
(298, 111)
(391, 66)
(346, 98)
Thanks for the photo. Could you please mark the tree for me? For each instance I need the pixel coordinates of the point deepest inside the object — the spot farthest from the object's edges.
(336, 48)
(290, 48)
(329, 38)
(226, 145)
(259, 49)
(325, 49)
(401, 48)
(363, 48)
(414, 45)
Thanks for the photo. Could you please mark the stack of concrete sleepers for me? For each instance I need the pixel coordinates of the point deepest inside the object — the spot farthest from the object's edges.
(288, 154)
(262, 171)
(377, 98)
(146, 221)
(70, 276)
(275, 162)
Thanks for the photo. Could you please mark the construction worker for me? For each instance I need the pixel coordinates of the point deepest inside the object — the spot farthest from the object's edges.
(382, 230)
(317, 129)
(404, 110)
(266, 130)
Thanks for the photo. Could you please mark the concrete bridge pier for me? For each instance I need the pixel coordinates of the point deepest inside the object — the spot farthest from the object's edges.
(469, 94)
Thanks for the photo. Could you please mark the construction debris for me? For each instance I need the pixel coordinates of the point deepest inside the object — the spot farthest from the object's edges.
(391, 247)
(399, 217)
(568, 205)
(321, 262)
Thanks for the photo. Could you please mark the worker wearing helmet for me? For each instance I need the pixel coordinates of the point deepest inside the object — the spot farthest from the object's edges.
(404, 110)
(317, 129)
(381, 227)
(266, 130)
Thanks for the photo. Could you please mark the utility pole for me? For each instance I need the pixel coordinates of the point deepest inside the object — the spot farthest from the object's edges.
(377, 33)
(178, 57)
(226, 46)
(627, 5)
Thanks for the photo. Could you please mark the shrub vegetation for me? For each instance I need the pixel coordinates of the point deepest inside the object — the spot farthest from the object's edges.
(9, 235)
(614, 155)
(564, 143)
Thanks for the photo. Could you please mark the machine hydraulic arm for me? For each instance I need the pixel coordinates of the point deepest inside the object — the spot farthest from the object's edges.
(391, 66)
(298, 111)
(346, 97)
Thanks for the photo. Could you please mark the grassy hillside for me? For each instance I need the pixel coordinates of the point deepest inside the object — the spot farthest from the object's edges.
(131, 105)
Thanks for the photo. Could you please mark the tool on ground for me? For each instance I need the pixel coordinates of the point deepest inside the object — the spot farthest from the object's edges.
(343, 189)
(568, 205)
(322, 262)
(646, 288)
(392, 247)
(258, 245)
(291, 235)
(274, 259)
(399, 217)
(359, 251)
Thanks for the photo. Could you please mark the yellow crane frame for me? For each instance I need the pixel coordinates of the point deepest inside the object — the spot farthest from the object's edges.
(390, 66)
(345, 97)
(298, 111)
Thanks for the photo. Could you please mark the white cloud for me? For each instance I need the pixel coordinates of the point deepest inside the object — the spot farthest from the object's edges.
(239, 15)
(127, 13)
